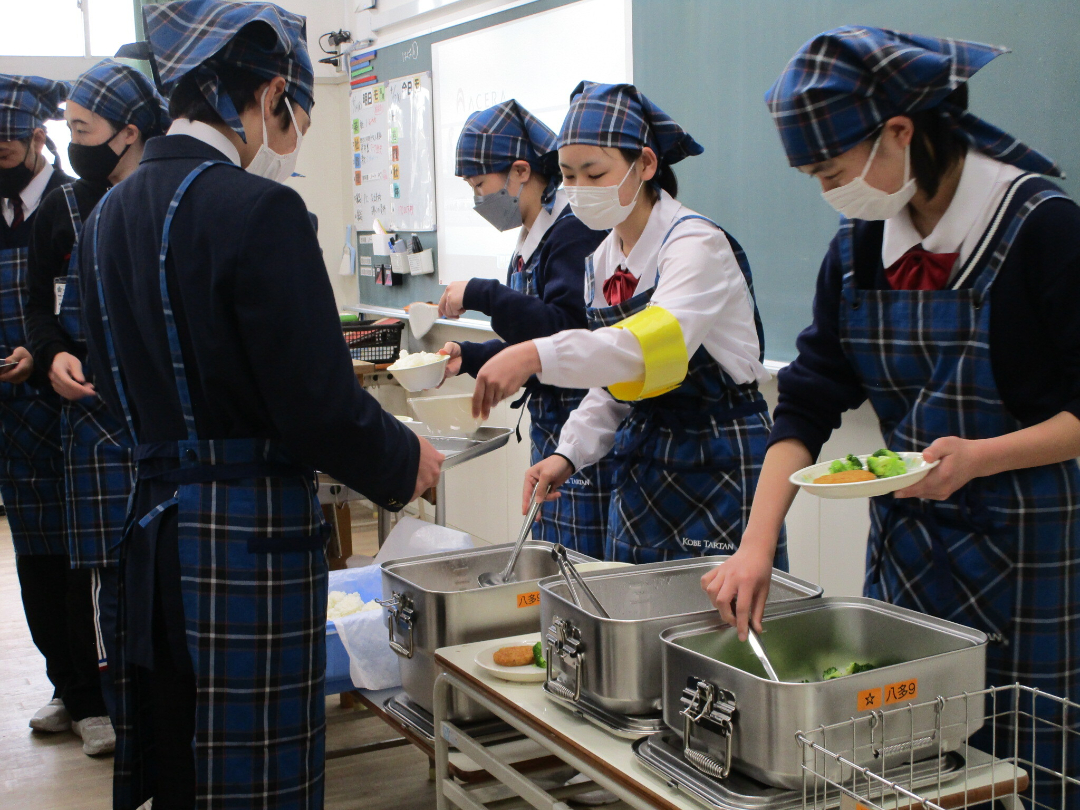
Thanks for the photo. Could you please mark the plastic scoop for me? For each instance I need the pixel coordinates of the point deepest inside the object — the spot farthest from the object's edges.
(490, 579)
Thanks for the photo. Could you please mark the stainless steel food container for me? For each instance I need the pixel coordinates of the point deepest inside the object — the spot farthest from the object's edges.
(718, 697)
(615, 663)
(434, 601)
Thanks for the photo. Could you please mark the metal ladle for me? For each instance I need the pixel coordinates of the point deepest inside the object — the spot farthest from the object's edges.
(759, 651)
(490, 579)
(570, 575)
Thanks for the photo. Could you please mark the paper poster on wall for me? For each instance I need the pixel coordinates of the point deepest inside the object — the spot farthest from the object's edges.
(468, 246)
(393, 155)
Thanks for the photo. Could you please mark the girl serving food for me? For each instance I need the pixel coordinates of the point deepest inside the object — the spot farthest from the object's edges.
(951, 249)
(509, 159)
(675, 339)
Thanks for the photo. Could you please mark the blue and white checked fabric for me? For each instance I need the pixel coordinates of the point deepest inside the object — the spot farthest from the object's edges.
(493, 139)
(123, 95)
(842, 85)
(619, 115)
(199, 35)
(26, 103)
(253, 574)
(1003, 553)
(686, 462)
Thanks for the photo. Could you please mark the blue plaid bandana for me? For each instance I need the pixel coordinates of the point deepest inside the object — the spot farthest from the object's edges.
(493, 139)
(619, 115)
(123, 95)
(199, 35)
(842, 85)
(26, 103)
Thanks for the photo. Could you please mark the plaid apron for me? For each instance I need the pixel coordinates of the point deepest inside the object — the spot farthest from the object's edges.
(98, 466)
(253, 577)
(31, 459)
(1001, 554)
(578, 519)
(686, 462)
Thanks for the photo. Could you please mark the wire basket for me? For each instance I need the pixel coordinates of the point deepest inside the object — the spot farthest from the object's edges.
(372, 341)
(1025, 755)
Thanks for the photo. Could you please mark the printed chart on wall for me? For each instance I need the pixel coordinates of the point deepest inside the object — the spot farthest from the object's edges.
(393, 156)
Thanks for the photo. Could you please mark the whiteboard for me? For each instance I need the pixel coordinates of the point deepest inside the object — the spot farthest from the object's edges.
(537, 60)
(393, 161)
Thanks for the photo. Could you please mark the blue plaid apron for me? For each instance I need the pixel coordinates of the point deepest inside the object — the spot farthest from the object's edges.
(253, 577)
(578, 519)
(31, 459)
(99, 469)
(686, 462)
(1001, 554)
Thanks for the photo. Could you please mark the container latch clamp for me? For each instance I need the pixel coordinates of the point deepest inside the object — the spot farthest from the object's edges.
(563, 639)
(399, 608)
(712, 709)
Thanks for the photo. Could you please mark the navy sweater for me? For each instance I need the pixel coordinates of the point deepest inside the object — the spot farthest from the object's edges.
(1034, 330)
(558, 305)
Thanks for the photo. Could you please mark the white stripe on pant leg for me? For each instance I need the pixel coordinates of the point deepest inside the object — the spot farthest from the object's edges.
(99, 639)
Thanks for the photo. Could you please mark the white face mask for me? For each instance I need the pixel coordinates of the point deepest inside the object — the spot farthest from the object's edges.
(860, 200)
(598, 206)
(268, 163)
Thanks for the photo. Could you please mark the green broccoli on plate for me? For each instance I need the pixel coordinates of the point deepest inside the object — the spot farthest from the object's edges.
(886, 464)
(844, 464)
(538, 656)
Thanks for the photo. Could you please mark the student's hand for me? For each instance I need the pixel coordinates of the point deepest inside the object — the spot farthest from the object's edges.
(451, 305)
(550, 474)
(503, 375)
(427, 474)
(961, 460)
(67, 378)
(739, 587)
(19, 373)
(453, 365)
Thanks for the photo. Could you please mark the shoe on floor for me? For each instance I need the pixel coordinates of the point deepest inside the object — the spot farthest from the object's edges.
(51, 718)
(97, 735)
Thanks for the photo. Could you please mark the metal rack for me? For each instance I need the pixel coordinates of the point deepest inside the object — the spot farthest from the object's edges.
(999, 761)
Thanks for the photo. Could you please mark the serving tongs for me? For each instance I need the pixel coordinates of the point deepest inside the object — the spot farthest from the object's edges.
(490, 579)
(570, 575)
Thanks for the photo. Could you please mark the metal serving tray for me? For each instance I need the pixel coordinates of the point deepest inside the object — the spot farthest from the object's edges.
(611, 666)
(663, 754)
(716, 693)
(435, 601)
(459, 449)
(421, 723)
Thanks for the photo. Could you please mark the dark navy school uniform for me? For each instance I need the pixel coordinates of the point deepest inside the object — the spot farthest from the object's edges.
(237, 384)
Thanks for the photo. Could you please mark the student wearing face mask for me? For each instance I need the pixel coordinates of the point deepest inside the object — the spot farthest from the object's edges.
(509, 159)
(111, 110)
(210, 315)
(31, 459)
(948, 299)
(676, 340)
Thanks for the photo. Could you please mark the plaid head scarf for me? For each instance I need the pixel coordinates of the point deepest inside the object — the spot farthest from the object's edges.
(26, 103)
(493, 139)
(842, 85)
(123, 95)
(200, 35)
(620, 116)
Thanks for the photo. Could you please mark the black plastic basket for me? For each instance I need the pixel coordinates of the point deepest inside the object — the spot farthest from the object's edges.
(373, 342)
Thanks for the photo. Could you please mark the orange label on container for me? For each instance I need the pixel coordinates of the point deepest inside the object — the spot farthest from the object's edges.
(525, 600)
(869, 699)
(902, 691)
(848, 803)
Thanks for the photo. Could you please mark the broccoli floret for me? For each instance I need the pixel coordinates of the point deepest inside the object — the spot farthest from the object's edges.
(886, 466)
(844, 464)
(853, 668)
(884, 451)
(853, 462)
(857, 668)
(538, 656)
(838, 466)
(830, 673)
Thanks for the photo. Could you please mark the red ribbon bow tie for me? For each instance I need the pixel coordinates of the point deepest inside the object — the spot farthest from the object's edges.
(620, 287)
(919, 269)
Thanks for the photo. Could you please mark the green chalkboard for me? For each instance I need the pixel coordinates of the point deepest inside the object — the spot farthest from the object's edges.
(709, 62)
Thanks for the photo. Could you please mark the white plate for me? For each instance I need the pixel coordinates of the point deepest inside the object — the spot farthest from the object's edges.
(917, 470)
(530, 673)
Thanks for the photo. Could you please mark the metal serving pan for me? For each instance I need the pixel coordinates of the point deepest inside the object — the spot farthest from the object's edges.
(612, 666)
(459, 449)
(435, 601)
(717, 696)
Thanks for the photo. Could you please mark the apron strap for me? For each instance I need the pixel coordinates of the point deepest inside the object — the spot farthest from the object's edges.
(73, 210)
